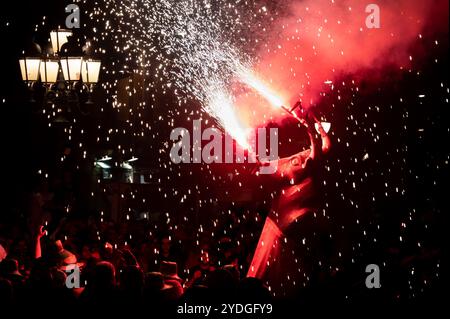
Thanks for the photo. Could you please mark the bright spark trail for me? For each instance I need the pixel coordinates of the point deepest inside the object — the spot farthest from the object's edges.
(183, 42)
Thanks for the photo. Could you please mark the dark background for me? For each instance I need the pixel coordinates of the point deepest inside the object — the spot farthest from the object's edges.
(394, 215)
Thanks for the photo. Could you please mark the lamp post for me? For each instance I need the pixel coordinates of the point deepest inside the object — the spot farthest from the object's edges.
(29, 67)
(90, 70)
(49, 70)
(30, 63)
(58, 38)
(64, 71)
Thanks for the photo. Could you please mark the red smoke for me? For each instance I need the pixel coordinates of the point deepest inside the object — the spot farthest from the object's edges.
(324, 39)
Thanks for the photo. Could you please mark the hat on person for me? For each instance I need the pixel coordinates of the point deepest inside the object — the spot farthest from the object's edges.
(68, 260)
(169, 269)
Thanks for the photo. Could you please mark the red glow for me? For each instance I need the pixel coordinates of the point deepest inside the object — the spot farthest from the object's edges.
(324, 39)
(267, 249)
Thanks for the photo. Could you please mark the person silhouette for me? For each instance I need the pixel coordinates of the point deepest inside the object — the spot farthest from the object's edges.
(296, 180)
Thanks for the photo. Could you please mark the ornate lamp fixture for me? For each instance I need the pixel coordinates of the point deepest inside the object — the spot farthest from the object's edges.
(65, 72)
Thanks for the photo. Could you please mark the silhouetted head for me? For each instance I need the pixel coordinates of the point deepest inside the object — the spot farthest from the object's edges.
(253, 290)
(103, 276)
(221, 284)
(9, 266)
(154, 282)
(132, 279)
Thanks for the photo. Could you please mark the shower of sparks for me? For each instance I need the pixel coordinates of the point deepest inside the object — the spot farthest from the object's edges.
(250, 79)
(188, 44)
(220, 106)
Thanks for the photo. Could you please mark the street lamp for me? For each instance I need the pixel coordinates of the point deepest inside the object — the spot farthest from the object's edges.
(49, 70)
(30, 63)
(58, 38)
(68, 76)
(71, 68)
(29, 68)
(90, 70)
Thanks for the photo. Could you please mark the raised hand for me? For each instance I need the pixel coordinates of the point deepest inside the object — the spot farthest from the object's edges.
(42, 232)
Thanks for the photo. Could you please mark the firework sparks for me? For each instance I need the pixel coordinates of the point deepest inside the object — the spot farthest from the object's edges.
(198, 49)
(247, 77)
(183, 44)
(220, 106)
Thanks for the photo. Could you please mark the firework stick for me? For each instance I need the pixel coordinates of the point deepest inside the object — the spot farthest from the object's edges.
(293, 114)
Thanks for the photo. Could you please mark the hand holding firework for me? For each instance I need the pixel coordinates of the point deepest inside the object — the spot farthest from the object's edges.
(305, 117)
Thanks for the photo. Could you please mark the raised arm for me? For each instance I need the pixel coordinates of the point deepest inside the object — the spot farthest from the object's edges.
(37, 248)
(320, 143)
(326, 143)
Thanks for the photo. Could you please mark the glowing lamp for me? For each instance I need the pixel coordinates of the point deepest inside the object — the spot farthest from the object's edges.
(58, 38)
(90, 70)
(29, 67)
(71, 67)
(49, 71)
